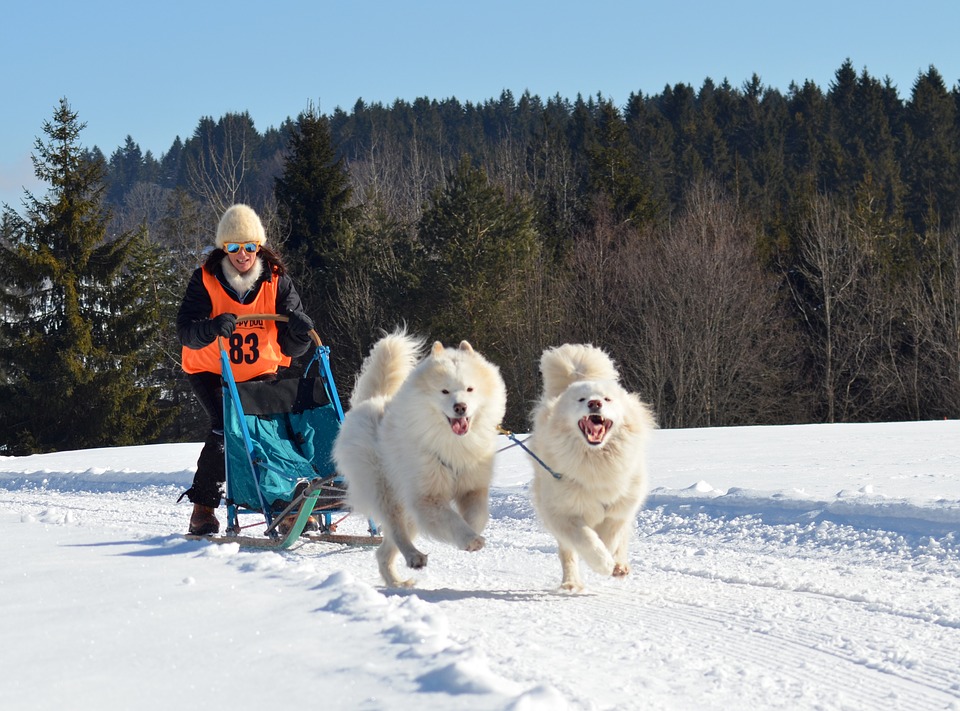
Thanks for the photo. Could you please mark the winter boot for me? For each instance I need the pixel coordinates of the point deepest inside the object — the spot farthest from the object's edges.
(203, 520)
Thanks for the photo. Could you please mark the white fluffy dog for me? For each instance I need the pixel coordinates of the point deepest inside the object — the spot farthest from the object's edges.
(419, 438)
(592, 435)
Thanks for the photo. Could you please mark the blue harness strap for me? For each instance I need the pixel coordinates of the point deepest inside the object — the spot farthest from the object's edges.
(526, 449)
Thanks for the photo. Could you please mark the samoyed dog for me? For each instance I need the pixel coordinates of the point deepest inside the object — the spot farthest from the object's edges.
(591, 434)
(417, 446)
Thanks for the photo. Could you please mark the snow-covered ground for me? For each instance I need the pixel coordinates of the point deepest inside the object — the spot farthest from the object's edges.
(804, 567)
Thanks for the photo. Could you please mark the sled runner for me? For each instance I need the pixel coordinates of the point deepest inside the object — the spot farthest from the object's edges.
(278, 436)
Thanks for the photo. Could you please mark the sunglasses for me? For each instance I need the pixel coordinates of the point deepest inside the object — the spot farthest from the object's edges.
(234, 247)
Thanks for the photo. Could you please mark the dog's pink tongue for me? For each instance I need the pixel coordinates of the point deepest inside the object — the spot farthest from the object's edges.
(594, 429)
(459, 425)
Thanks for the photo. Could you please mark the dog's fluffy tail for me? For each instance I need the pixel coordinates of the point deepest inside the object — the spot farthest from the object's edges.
(383, 371)
(571, 362)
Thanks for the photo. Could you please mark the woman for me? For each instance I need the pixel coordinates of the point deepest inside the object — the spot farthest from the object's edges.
(242, 276)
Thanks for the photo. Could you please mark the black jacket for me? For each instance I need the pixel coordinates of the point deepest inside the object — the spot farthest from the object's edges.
(196, 306)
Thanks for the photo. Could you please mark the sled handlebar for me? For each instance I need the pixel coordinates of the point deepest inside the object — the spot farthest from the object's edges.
(277, 317)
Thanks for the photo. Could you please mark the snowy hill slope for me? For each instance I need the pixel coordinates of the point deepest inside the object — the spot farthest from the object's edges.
(795, 567)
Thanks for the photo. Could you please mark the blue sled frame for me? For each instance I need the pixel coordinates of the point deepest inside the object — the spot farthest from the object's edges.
(278, 439)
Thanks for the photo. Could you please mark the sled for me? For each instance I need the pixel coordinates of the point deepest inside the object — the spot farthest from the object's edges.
(278, 437)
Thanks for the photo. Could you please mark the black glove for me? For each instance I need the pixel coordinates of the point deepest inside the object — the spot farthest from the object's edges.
(221, 325)
(299, 324)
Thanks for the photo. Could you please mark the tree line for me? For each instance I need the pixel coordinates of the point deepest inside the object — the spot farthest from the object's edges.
(747, 256)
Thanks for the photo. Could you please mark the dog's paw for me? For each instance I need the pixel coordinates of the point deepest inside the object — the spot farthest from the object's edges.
(571, 586)
(602, 563)
(476, 544)
(417, 561)
(620, 570)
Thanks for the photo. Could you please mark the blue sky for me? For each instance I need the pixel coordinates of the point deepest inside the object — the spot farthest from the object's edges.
(152, 70)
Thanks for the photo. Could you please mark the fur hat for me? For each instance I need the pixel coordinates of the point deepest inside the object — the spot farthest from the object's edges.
(240, 224)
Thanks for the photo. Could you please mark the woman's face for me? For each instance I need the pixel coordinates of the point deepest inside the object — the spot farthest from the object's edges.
(242, 260)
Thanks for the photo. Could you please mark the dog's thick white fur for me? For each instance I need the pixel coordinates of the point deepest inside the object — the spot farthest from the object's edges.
(592, 434)
(420, 438)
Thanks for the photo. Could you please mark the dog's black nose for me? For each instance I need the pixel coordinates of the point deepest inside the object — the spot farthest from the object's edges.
(595, 405)
(460, 409)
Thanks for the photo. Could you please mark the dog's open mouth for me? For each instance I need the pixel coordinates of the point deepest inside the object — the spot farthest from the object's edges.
(595, 428)
(459, 425)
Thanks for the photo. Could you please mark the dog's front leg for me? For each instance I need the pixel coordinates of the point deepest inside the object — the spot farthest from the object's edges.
(399, 530)
(387, 563)
(440, 521)
(474, 506)
(584, 540)
(614, 534)
(570, 564)
(411, 554)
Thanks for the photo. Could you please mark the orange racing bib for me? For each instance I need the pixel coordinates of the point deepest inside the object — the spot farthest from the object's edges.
(253, 348)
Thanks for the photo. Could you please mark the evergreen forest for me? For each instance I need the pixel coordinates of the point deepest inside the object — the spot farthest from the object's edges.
(747, 256)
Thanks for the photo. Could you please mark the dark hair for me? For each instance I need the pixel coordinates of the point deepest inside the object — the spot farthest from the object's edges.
(270, 257)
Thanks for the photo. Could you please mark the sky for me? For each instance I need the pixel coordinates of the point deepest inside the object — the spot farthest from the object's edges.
(151, 71)
(802, 567)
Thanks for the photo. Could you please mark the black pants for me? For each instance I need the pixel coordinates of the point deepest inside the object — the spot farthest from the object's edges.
(207, 488)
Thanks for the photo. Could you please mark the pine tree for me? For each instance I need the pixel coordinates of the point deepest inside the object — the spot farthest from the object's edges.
(478, 277)
(79, 311)
(556, 192)
(170, 168)
(314, 199)
(931, 164)
(614, 167)
(804, 139)
(126, 168)
(477, 244)
(652, 134)
(715, 113)
(678, 106)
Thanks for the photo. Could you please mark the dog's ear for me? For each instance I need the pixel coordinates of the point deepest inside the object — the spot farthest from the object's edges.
(465, 346)
(437, 349)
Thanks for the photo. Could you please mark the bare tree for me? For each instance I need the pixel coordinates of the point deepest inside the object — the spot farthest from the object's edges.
(144, 204)
(702, 331)
(831, 296)
(944, 329)
(220, 160)
(594, 293)
(354, 315)
(377, 179)
(931, 309)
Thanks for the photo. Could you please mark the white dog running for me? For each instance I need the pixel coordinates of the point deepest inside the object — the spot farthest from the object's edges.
(592, 435)
(420, 436)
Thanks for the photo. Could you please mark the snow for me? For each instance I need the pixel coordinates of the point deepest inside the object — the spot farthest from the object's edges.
(800, 567)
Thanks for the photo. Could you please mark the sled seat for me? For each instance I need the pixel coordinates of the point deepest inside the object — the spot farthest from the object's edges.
(278, 440)
(292, 425)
